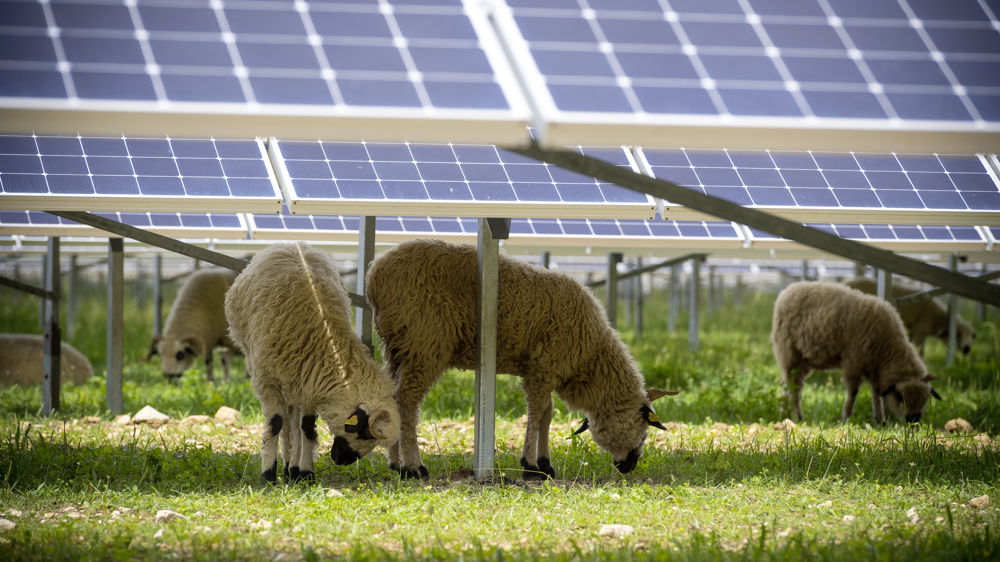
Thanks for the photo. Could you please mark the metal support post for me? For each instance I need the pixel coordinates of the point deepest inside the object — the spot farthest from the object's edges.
(52, 346)
(41, 305)
(980, 305)
(738, 292)
(952, 316)
(116, 324)
(488, 277)
(639, 298)
(711, 290)
(544, 259)
(883, 283)
(675, 298)
(628, 296)
(72, 290)
(366, 253)
(158, 296)
(611, 304)
(694, 306)
(805, 270)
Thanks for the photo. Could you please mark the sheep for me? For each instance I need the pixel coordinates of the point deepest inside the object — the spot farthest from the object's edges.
(22, 356)
(820, 325)
(196, 325)
(922, 318)
(289, 312)
(551, 331)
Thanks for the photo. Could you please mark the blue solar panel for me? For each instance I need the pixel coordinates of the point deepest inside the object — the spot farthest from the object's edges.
(444, 179)
(895, 237)
(109, 174)
(339, 59)
(841, 185)
(181, 225)
(917, 65)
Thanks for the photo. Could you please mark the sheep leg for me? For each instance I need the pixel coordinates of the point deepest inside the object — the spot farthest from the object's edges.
(794, 377)
(852, 394)
(272, 405)
(535, 454)
(307, 447)
(877, 411)
(410, 394)
(225, 356)
(288, 442)
(209, 361)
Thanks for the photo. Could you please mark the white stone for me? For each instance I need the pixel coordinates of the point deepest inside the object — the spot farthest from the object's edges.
(616, 530)
(334, 493)
(166, 516)
(148, 414)
(123, 419)
(13, 513)
(7, 525)
(192, 420)
(227, 415)
(848, 518)
(158, 533)
(913, 515)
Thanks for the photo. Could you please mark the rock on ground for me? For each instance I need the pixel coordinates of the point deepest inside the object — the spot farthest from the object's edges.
(192, 420)
(617, 531)
(148, 414)
(227, 415)
(7, 524)
(980, 502)
(166, 516)
(958, 425)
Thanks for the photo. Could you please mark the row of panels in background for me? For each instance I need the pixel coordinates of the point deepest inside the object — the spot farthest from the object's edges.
(842, 74)
(412, 179)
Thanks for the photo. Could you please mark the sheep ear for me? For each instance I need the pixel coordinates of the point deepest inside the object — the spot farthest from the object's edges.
(358, 423)
(650, 416)
(935, 394)
(583, 427)
(154, 348)
(928, 377)
(378, 423)
(654, 393)
(888, 391)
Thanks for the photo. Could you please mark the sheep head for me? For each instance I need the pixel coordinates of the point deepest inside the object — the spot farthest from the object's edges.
(909, 398)
(361, 431)
(178, 355)
(623, 432)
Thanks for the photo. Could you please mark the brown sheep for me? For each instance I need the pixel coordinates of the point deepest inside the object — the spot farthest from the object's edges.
(21, 359)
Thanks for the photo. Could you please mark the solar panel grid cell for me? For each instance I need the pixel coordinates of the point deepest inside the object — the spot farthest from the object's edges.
(200, 225)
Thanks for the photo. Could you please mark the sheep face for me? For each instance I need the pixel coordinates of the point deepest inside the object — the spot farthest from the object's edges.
(908, 399)
(361, 432)
(177, 356)
(965, 336)
(622, 434)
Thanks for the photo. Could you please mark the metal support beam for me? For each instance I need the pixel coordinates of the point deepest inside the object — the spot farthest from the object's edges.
(711, 290)
(917, 297)
(647, 269)
(753, 218)
(366, 253)
(693, 309)
(980, 307)
(116, 324)
(488, 277)
(611, 295)
(675, 298)
(158, 296)
(25, 288)
(544, 259)
(952, 316)
(41, 305)
(52, 347)
(883, 284)
(72, 293)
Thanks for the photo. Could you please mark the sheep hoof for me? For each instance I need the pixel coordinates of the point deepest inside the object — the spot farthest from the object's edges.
(292, 475)
(270, 475)
(532, 472)
(305, 476)
(419, 472)
(394, 467)
(545, 466)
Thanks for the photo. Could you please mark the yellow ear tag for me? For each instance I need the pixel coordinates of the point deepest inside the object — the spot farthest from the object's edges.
(353, 420)
(653, 418)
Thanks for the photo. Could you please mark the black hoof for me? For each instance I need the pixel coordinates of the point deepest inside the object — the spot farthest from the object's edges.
(292, 475)
(270, 475)
(394, 467)
(545, 466)
(532, 472)
(420, 472)
(287, 476)
(307, 476)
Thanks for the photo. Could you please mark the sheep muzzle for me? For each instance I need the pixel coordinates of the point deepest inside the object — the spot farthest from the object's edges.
(628, 465)
(342, 453)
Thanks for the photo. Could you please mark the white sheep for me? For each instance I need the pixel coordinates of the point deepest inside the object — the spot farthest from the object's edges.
(821, 325)
(22, 357)
(289, 312)
(551, 331)
(196, 324)
(923, 319)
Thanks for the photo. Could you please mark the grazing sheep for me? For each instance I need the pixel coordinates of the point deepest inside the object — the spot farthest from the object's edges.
(196, 324)
(821, 325)
(551, 331)
(289, 312)
(22, 357)
(922, 319)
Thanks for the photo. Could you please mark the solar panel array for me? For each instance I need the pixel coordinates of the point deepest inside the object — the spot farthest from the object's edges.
(600, 69)
(187, 225)
(109, 174)
(941, 237)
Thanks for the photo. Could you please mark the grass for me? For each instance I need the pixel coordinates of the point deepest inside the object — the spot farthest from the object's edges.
(728, 480)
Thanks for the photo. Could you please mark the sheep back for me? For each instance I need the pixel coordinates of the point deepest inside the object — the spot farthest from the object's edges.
(22, 360)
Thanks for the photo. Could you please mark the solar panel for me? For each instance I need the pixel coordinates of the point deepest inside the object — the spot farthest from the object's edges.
(303, 69)
(338, 228)
(113, 174)
(177, 225)
(892, 237)
(446, 180)
(818, 74)
(622, 234)
(837, 187)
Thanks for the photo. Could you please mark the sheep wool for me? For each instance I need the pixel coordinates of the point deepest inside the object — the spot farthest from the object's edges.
(22, 357)
(289, 312)
(551, 331)
(820, 325)
(923, 319)
(196, 324)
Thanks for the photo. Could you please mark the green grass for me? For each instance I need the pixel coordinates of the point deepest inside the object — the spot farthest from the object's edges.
(725, 481)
